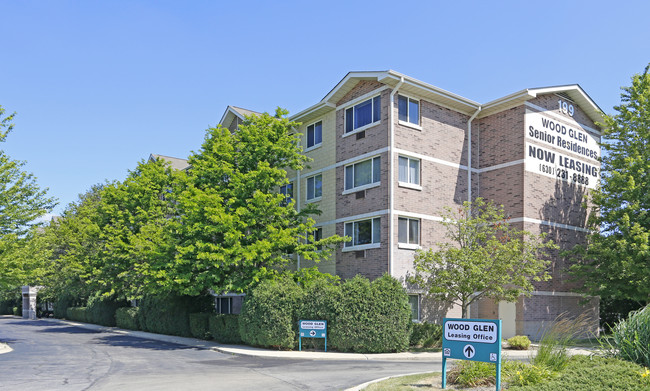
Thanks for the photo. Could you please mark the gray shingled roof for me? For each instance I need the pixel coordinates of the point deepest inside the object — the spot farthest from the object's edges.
(176, 163)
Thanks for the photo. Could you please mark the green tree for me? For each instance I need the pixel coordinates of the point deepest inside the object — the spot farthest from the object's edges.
(134, 219)
(233, 228)
(485, 257)
(22, 201)
(616, 261)
(68, 244)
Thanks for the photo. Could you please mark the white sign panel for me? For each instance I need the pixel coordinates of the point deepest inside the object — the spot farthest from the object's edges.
(570, 139)
(557, 165)
(484, 332)
(312, 325)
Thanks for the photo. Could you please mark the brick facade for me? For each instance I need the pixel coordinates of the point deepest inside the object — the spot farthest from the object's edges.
(439, 142)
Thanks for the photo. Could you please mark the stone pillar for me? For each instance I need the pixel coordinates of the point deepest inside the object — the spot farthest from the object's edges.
(29, 301)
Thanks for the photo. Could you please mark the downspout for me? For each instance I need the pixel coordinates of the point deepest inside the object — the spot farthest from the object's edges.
(469, 154)
(391, 153)
(469, 167)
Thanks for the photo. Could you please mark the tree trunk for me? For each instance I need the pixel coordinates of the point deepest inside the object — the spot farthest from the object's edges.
(464, 309)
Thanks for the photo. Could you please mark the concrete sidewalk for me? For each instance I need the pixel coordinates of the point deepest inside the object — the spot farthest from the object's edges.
(243, 350)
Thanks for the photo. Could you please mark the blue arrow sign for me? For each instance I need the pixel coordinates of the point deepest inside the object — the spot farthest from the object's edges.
(471, 339)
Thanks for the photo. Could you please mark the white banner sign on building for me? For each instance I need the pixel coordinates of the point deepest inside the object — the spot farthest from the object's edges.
(570, 139)
(567, 168)
(570, 152)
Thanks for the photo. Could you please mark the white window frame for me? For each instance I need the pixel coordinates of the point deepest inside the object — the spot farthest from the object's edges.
(316, 145)
(374, 182)
(408, 244)
(409, 184)
(350, 246)
(408, 122)
(314, 198)
(374, 122)
(418, 307)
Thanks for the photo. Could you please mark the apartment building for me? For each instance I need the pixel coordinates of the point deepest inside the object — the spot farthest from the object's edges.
(391, 152)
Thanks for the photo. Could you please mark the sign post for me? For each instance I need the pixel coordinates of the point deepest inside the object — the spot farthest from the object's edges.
(312, 329)
(473, 340)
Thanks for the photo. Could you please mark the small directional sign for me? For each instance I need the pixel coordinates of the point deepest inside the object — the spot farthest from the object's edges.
(469, 351)
(312, 329)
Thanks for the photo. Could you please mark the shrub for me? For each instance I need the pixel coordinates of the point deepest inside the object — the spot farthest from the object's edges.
(17, 311)
(7, 306)
(199, 325)
(61, 305)
(473, 374)
(224, 328)
(517, 373)
(101, 309)
(426, 335)
(127, 318)
(519, 342)
(169, 313)
(371, 317)
(78, 314)
(476, 373)
(553, 347)
(269, 314)
(631, 338)
(593, 373)
(321, 298)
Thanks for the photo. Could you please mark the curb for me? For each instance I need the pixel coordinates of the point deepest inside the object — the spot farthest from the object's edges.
(366, 384)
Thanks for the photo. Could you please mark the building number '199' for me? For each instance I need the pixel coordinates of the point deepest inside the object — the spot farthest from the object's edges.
(566, 108)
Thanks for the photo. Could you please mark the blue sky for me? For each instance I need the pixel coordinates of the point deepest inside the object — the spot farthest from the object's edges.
(99, 85)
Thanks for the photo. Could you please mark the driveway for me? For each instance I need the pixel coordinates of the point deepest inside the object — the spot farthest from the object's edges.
(58, 356)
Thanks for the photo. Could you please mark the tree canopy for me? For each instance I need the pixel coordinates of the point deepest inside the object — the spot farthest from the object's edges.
(233, 228)
(616, 261)
(22, 202)
(220, 225)
(484, 257)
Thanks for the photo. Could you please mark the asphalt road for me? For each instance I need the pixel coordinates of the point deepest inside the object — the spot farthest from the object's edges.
(53, 356)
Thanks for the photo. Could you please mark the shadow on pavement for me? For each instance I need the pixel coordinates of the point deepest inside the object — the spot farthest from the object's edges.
(141, 343)
(69, 330)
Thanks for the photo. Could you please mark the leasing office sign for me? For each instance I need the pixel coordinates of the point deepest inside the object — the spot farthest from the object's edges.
(474, 340)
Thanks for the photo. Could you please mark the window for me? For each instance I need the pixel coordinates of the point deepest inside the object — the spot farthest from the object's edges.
(409, 170)
(365, 113)
(363, 232)
(408, 109)
(315, 134)
(414, 302)
(363, 173)
(314, 187)
(287, 191)
(408, 231)
(315, 237)
(223, 305)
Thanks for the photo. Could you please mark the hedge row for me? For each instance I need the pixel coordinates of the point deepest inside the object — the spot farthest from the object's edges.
(7, 307)
(99, 310)
(363, 316)
(78, 314)
(127, 318)
(220, 327)
(170, 314)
